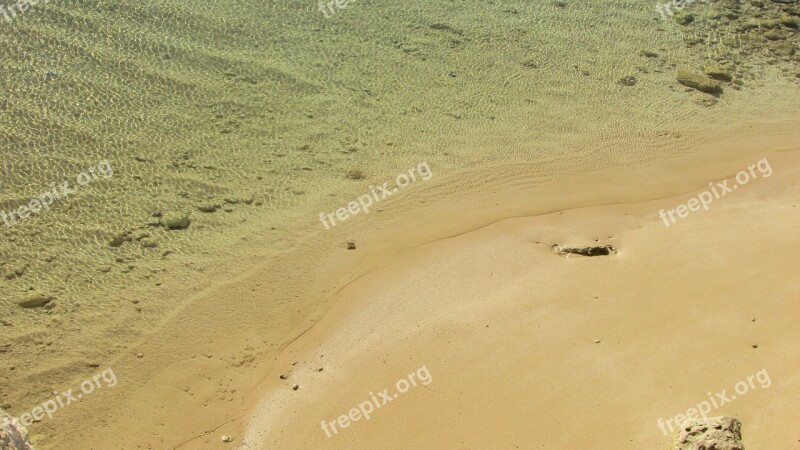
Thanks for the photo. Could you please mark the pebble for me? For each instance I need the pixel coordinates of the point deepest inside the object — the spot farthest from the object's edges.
(149, 243)
(207, 207)
(35, 299)
(175, 220)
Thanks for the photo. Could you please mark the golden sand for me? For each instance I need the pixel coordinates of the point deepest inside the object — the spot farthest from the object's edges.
(526, 348)
(250, 119)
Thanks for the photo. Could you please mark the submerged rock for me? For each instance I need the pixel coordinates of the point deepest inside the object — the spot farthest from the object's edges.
(704, 99)
(684, 18)
(175, 220)
(16, 271)
(35, 299)
(355, 174)
(207, 207)
(148, 243)
(13, 436)
(718, 433)
(718, 73)
(118, 239)
(700, 82)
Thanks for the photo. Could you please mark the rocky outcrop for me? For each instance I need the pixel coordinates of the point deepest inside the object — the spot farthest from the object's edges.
(13, 436)
(714, 433)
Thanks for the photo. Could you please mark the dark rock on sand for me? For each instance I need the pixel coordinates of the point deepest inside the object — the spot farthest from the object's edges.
(603, 250)
(719, 433)
(700, 82)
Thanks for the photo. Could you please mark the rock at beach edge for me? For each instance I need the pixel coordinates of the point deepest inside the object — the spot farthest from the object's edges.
(718, 433)
(13, 436)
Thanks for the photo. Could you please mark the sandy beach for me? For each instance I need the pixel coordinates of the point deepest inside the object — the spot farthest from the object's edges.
(550, 224)
(539, 350)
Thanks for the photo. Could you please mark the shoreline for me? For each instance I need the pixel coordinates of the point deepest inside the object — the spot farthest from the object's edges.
(346, 317)
(193, 263)
(225, 374)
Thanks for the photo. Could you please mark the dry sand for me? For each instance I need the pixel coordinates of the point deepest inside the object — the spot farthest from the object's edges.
(508, 330)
